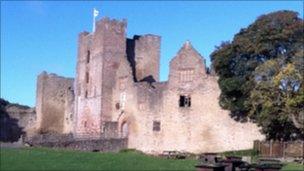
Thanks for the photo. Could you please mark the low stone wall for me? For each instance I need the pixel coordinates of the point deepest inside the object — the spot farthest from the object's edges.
(16, 144)
(104, 145)
(67, 141)
(49, 137)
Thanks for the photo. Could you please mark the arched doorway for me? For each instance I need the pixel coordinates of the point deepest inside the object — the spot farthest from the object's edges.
(124, 132)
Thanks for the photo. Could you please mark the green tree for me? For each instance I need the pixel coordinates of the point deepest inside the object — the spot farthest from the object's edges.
(260, 74)
(277, 100)
(290, 82)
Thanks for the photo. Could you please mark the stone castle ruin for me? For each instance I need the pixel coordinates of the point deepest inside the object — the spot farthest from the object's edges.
(117, 94)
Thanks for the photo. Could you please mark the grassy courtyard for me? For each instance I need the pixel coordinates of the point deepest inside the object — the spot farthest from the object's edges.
(50, 159)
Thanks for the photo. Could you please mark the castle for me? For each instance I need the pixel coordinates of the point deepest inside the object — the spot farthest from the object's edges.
(117, 94)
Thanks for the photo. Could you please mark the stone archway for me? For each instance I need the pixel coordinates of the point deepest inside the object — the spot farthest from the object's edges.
(125, 125)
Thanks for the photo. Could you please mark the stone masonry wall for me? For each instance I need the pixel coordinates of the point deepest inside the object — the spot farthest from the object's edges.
(124, 100)
(26, 117)
(99, 54)
(147, 58)
(67, 141)
(114, 50)
(54, 103)
(202, 127)
(118, 96)
(88, 87)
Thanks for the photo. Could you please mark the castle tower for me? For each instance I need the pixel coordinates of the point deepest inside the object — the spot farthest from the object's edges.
(98, 59)
(144, 55)
(54, 103)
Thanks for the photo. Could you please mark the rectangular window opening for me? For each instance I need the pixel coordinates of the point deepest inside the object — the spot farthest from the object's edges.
(156, 126)
(88, 56)
(87, 77)
(186, 75)
(184, 101)
(86, 94)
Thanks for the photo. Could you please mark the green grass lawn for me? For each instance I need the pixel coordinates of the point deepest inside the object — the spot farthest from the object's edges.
(50, 159)
(293, 167)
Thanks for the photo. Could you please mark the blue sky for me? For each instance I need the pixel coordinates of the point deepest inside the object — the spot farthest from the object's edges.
(42, 35)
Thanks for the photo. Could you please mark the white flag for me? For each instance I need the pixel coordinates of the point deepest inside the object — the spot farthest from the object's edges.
(95, 13)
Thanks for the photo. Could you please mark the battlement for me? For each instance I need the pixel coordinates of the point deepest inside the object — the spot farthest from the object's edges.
(83, 34)
(53, 75)
(150, 37)
(108, 23)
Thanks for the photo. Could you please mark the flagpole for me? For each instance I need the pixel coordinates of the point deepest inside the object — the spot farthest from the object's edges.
(93, 29)
(95, 14)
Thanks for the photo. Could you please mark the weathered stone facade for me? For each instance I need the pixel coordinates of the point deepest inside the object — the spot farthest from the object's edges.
(16, 121)
(54, 103)
(68, 141)
(118, 95)
(26, 117)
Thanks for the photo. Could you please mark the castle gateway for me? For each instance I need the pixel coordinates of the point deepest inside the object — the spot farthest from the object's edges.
(117, 94)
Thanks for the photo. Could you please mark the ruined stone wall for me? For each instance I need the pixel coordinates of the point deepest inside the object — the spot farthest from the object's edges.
(149, 110)
(69, 110)
(124, 100)
(88, 87)
(54, 103)
(114, 50)
(116, 98)
(16, 120)
(204, 126)
(69, 142)
(135, 107)
(98, 59)
(157, 122)
(132, 107)
(26, 117)
(147, 57)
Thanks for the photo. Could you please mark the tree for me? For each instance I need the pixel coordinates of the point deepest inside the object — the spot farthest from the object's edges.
(260, 74)
(277, 100)
(290, 83)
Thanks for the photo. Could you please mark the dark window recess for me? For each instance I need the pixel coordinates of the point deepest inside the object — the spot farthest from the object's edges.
(117, 106)
(86, 94)
(88, 56)
(85, 124)
(156, 126)
(184, 101)
(87, 77)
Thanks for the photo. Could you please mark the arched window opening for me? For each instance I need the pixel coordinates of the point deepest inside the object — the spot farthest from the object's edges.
(124, 130)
